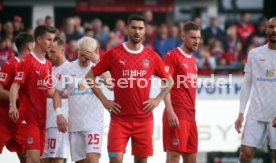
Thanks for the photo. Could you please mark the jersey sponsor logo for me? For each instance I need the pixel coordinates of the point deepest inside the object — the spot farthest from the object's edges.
(269, 72)
(134, 73)
(175, 142)
(123, 62)
(30, 140)
(37, 72)
(145, 63)
(19, 76)
(3, 76)
(42, 84)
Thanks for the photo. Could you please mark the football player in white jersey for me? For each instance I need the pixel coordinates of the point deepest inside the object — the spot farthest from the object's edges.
(260, 81)
(86, 113)
(57, 143)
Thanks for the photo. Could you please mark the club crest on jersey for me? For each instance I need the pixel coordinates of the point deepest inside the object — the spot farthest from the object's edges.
(167, 68)
(145, 63)
(175, 142)
(19, 76)
(30, 141)
(3, 76)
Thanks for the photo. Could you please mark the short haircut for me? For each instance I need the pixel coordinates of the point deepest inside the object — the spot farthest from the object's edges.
(87, 43)
(189, 26)
(135, 17)
(22, 39)
(59, 40)
(42, 29)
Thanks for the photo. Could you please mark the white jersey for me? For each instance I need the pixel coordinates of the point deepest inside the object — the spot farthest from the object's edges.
(85, 110)
(57, 72)
(262, 64)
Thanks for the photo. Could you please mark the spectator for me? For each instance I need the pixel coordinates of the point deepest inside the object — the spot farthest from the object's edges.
(111, 40)
(79, 28)
(175, 35)
(163, 43)
(213, 31)
(148, 15)
(218, 52)
(234, 56)
(71, 51)
(205, 62)
(231, 38)
(40, 21)
(8, 31)
(245, 28)
(89, 32)
(17, 25)
(150, 36)
(99, 34)
(6, 51)
(49, 21)
(71, 33)
(120, 31)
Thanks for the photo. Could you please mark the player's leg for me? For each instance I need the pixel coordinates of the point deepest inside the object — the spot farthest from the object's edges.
(77, 147)
(118, 136)
(56, 146)
(272, 140)
(189, 158)
(93, 141)
(253, 136)
(141, 140)
(173, 157)
(191, 148)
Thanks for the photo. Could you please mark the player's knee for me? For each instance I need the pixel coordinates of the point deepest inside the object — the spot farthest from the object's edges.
(33, 160)
(174, 158)
(114, 158)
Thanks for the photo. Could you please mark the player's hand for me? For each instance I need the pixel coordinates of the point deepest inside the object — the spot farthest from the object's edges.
(274, 122)
(112, 107)
(13, 113)
(151, 104)
(62, 123)
(238, 123)
(173, 119)
(92, 56)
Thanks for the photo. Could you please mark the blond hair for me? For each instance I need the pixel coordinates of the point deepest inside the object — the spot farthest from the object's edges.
(87, 43)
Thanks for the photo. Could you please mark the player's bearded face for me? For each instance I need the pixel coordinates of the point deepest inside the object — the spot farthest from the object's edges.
(192, 40)
(271, 31)
(136, 31)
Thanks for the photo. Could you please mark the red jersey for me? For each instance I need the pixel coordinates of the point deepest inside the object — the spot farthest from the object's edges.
(7, 74)
(33, 76)
(184, 72)
(131, 72)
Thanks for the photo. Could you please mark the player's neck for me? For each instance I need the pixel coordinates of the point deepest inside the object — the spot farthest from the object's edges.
(40, 54)
(272, 46)
(132, 46)
(62, 60)
(186, 50)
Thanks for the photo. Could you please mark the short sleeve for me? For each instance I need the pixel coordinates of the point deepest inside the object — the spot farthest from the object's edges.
(160, 69)
(6, 73)
(103, 65)
(22, 72)
(169, 63)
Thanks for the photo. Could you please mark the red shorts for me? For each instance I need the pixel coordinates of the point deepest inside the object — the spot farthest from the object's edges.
(140, 133)
(12, 138)
(34, 137)
(182, 139)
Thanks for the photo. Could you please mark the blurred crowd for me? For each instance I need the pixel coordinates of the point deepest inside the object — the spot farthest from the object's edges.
(222, 51)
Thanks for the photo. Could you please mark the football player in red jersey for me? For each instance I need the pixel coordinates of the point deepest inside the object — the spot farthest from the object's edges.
(131, 66)
(11, 134)
(179, 125)
(34, 80)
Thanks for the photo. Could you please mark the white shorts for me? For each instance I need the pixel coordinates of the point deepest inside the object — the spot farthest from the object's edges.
(84, 142)
(255, 133)
(56, 144)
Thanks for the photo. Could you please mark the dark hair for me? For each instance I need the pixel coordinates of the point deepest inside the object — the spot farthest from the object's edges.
(22, 39)
(59, 40)
(42, 29)
(135, 17)
(190, 26)
(48, 17)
